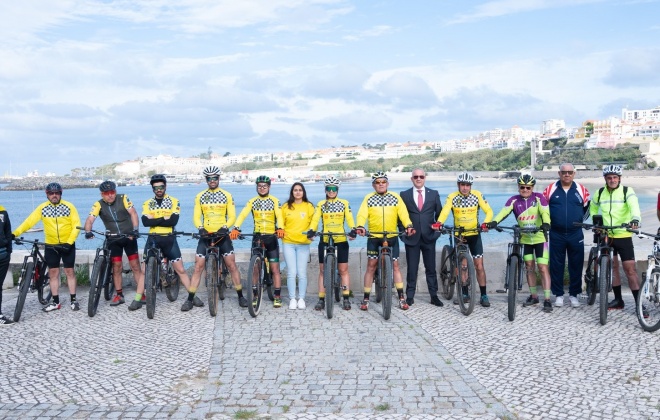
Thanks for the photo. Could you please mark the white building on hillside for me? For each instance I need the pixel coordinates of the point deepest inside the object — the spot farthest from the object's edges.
(552, 126)
(641, 114)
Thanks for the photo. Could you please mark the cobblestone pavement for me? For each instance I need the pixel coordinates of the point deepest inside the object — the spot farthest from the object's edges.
(427, 362)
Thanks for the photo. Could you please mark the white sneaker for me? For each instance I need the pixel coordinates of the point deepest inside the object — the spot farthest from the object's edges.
(574, 301)
(293, 304)
(301, 303)
(559, 301)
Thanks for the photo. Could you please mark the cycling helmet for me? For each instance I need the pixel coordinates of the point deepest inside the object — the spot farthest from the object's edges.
(262, 179)
(612, 169)
(158, 178)
(331, 180)
(211, 170)
(465, 178)
(379, 174)
(526, 180)
(107, 186)
(53, 187)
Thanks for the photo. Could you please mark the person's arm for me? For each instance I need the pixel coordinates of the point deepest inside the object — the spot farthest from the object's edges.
(279, 218)
(31, 220)
(88, 223)
(7, 230)
(135, 219)
(314, 223)
(363, 212)
(75, 221)
(231, 211)
(633, 206)
(437, 205)
(488, 211)
(402, 212)
(544, 209)
(444, 213)
(243, 214)
(150, 222)
(348, 216)
(198, 221)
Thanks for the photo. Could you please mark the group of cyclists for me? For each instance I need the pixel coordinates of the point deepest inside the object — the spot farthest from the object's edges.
(382, 212)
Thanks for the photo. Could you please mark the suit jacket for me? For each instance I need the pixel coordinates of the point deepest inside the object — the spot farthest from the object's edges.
(423, 219)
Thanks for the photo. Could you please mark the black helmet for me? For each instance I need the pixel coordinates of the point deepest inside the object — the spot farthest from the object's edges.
(263, 179)
(107, 186)
(526, 179)
(158, 178)
(53, 187)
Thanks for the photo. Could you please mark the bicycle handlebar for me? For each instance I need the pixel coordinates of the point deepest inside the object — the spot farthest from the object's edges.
(593, 227)
(644, 234)
(384, 233)
(516, 228)
(107, 234)
(23, 241)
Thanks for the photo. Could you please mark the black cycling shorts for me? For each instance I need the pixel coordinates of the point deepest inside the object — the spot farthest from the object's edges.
(53, 256)
(272, 247)
(119, 245)
(373, 244)
(168, 245)
(341, 248)
(225, 247)
(476, 247)
(623, 247)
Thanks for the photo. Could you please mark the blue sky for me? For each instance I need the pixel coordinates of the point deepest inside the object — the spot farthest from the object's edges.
(86, 82)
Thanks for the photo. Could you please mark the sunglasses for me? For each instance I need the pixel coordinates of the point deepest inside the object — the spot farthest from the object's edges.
(566, 172)
(419, 176)
(262, 187)
(158, 188)
(380, 182)
(524, 187)
(463, 184)
(212, 178)
(331, 189)
(54, 193)
(111, 192)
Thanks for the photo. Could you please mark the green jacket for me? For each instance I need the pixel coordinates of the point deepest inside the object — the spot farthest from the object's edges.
(616, 209)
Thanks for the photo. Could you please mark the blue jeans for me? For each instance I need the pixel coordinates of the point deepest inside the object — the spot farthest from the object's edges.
(296, 257)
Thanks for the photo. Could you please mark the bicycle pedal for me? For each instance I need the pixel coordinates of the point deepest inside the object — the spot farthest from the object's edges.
(500, 291)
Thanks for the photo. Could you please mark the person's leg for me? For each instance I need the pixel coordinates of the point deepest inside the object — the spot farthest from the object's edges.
(428, 256)
(558, 245)
(412, 261)
(302, 257)
(575, 247)
(290, 256)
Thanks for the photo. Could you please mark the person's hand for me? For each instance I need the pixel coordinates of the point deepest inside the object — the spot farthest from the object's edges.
(410, 231)
(361, 230)
(491, 225)
(634, 224)
(203, 232)
(66, 248)
(436, 226)
(484, 227)
(280, 233)
(134, 233)
(12, 236)
(234, 234)
(545, 227)
(17, 241)
(89, 235)
(353, 233)
(224, 231)
(310, 234)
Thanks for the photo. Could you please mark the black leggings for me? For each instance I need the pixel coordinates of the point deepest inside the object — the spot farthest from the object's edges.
(4, 266)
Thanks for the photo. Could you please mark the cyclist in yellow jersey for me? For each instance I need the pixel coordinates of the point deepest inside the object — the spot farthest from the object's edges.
(60, 219)
(161, 214)
(215, 212)
(267, 216)
(333, 212)
(465, 204)
(382, 210)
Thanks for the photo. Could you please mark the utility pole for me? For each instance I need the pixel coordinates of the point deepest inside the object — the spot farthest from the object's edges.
(533, 153)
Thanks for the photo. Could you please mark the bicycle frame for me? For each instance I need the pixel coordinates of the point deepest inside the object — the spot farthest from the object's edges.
(33, 277)
(450, 261)
(384, 271)
(154, 266)
(331, 278)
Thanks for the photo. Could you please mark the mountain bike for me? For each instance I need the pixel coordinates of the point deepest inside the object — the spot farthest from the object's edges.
(457, 254)
(598, 277)
(331, 278)
(648, 302)
(159, 274)
(515, 266)
(384, 275)
(33, 277)
(216, 272)
(259, 276)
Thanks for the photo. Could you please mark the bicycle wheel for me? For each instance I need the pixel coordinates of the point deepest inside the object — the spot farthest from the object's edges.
(377, 285)
(43, 284)
(329, 273)
(96, 284)
(591, 275)
(385, 264)
(252, 285)
(512, 270)
(604, 279)
(23, 287)
(337, 286)
(268, 281)
(151, 285)
(172, 291)
(222, 280)
(212, 282)
(447, 289)
(108, 286)
(648, 303)
(466, 284)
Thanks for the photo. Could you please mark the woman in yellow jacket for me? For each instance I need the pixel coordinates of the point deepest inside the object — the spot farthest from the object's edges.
(297, 212)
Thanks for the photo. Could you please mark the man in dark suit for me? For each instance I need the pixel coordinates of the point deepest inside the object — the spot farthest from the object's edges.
(423, 206)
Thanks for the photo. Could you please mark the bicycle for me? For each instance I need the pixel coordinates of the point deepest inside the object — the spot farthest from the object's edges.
(515, 266)
(457, 254)
(648, 302)
(159, 274)
(216, 272)
(384, 275)
(598, 277)
(331, 278)
(33, 277)
(259, 276)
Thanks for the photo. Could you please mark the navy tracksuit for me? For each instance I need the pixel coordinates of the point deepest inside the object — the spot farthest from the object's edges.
(566, 207)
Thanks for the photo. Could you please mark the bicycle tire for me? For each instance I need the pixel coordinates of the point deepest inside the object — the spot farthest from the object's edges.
(466, 305)
(212, 282)
(337, 286)
(96, 281)
(378, 285)
(512, 274)
(174, 284)
(108, 286)
(222, 280)
(329, 273)
(43, 284)
(604, 273)
(649, 299)
(253, 283)
(387, 283)
(151, 285)
(590, 276)
(23, 288)
(268, 281)
(446, 274)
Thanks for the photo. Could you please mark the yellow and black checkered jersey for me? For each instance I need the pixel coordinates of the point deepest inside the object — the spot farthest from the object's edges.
(214, 209)
(382, 212)
(266, 213)
(333, 213)
(60, 221)
(168, 206)
(466, 210)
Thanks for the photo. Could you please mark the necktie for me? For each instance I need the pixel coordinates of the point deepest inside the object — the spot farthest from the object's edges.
(420, 200)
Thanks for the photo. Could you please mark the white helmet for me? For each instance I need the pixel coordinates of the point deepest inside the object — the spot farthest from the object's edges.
(465, 178)
(211, 170)
(379, 174)
(331, 180)
(612, 169)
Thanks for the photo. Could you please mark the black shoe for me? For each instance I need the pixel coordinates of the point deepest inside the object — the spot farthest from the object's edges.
(187, 305)
(435, 301)
(346, 305)
(198, 302)
(616, 304)
(320, 305)
(242, 302)
(135, 305)
(531, 300)
(547, 306)
(410, 301)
